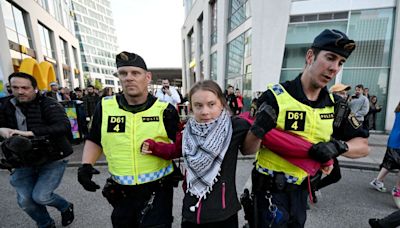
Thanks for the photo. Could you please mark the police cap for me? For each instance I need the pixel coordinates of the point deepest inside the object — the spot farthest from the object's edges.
(335, 41)
(130, 59)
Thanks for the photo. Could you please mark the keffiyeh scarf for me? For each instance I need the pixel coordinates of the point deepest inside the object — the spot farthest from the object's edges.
(204, 148)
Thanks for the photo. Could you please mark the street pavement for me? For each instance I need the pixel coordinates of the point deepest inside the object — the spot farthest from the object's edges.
(92, 210)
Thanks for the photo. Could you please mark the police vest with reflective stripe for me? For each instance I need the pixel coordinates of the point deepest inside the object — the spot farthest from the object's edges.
(122, 134)
(312, 124)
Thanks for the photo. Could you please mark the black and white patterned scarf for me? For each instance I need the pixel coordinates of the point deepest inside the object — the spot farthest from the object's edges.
(204, 148)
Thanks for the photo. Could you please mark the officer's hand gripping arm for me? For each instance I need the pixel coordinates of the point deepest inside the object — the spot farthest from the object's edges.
(265, 120)
(324, 151)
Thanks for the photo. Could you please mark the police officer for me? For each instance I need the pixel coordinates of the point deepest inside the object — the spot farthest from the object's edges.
(140, 187)
(39, 163)
(305, 108)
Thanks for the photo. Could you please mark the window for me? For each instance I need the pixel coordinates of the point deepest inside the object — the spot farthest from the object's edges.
(75, 56)
(213, 32)
(201, 31)
(235, 56)
(247, 43)
(15, 24)
(109, 82)
(192, 47)
(370, 62)
(64, 52)
(213, 66)
(45, 40)
(298, 39)
(239, 12)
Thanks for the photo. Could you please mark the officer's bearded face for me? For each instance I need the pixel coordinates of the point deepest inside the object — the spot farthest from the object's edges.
(22, 89)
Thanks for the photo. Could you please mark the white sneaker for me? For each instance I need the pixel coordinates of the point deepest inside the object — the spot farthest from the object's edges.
(396, 196)
(378, 185)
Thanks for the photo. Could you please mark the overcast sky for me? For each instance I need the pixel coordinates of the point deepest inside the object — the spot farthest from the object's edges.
(150, 28)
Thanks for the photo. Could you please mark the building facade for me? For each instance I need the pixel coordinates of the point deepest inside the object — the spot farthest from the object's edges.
(251, 43)
(42, 30)
(95, 31)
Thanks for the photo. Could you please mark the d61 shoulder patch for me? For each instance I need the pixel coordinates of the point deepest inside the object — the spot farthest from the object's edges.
(277, 89)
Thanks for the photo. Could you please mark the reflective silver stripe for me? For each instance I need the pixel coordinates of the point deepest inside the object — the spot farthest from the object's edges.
(143, 178)
(289, 178)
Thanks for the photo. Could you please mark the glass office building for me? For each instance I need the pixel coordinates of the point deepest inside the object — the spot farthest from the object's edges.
(94, 26)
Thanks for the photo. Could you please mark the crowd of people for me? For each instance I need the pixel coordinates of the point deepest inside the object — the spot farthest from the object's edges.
(297, 129)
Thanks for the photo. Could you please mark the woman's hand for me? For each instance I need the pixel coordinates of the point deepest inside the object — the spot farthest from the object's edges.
(327, 169)
(145, 148)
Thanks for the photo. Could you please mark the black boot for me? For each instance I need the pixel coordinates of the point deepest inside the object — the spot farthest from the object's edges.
(374, 223)
(68, 215)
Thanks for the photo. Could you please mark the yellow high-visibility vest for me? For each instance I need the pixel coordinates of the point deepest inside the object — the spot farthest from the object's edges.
(313, 124)
(122, 134)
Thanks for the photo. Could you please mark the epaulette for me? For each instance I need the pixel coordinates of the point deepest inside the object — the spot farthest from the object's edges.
(277, 88)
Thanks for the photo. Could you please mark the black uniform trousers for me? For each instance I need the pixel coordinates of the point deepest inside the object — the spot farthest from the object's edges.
(290, 199)
(145, 205)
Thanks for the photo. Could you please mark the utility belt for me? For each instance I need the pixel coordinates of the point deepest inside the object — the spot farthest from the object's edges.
(275, 183)
(114, 192)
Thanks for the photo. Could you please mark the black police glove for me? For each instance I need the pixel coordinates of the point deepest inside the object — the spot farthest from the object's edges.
(85, 173)
(265, 120)
(324, 151)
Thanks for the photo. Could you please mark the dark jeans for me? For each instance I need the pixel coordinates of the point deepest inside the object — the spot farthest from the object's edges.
(35, 190)
(231, 222)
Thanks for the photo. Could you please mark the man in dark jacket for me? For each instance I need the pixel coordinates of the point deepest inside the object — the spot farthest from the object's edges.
(90, 101)
(231, 100)
(44, 121)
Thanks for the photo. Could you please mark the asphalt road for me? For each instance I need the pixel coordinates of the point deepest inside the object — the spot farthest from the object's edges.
(348, 203)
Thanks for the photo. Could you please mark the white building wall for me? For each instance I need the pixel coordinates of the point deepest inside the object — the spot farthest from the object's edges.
(394, 80)
(268, 41)
(206, 41)
(222, 27)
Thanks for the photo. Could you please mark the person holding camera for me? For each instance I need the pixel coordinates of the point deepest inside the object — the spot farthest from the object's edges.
(36, 131)
(359, 104)
(168, 93)
(140, 188)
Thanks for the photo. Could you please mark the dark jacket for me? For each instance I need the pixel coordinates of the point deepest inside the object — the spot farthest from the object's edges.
(222, 202)
(44, 117)
(90, 102)
(232, 102)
